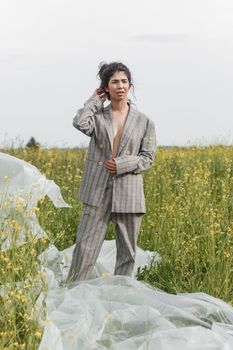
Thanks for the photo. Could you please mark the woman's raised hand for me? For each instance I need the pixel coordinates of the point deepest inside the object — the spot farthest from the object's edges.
(102, 94)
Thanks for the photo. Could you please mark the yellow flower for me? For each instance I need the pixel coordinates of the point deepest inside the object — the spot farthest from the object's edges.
(227, 254)
(38, 333)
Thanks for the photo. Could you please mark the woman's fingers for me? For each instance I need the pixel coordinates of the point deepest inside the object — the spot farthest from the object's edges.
(103, 98)
(101, 92)
(111, 166)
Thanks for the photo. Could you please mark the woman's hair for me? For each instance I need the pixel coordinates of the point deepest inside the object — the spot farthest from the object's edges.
(106, 71)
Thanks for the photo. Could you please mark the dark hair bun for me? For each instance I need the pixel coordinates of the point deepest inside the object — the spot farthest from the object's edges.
(102, 67)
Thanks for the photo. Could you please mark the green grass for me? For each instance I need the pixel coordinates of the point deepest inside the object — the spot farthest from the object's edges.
(189, 221)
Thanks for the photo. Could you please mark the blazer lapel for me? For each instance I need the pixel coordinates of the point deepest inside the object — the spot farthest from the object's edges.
(129, 126)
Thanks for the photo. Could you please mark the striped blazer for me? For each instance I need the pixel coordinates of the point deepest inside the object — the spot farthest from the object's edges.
(136, 154)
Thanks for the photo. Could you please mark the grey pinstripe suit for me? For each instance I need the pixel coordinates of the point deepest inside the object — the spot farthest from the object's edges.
(119, 198)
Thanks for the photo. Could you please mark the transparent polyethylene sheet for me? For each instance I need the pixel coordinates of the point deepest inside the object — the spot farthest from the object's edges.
(21, 186)
(19, 178)
(119, 312)
(106, 311)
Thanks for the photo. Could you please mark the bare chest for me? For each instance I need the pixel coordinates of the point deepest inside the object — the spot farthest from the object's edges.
(118, 127)
(118, 123)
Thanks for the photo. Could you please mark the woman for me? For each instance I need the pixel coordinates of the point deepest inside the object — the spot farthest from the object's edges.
(122, 145)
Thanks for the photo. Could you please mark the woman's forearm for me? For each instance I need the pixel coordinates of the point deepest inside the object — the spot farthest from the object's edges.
(85, 117)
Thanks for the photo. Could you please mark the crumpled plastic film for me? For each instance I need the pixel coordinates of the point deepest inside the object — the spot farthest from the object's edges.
(120, 313)
(57, 263)
(21, 186)
(115, 312)
(19, 178)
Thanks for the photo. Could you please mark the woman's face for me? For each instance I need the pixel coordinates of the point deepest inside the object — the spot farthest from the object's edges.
(118, 86)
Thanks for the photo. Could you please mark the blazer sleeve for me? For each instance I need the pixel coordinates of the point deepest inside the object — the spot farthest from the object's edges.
(145, 157)
(85, 117)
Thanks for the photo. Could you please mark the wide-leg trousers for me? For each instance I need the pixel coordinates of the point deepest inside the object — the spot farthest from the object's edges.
(91, 233)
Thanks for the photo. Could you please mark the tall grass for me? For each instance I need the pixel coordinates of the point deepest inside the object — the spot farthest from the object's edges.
(189, 221)
(21, 279)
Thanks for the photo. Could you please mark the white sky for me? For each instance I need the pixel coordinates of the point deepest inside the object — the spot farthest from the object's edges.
(180, 53)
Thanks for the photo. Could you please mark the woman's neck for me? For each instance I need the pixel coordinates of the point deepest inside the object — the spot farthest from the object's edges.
(119, 105)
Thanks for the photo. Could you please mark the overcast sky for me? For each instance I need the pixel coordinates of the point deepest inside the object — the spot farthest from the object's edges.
(180, 53)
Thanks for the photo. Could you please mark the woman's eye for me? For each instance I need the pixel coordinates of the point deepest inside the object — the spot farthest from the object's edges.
(116, 82)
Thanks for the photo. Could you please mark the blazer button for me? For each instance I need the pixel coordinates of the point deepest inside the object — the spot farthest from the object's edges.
(128, 152)
(100, 163)
(101, 146)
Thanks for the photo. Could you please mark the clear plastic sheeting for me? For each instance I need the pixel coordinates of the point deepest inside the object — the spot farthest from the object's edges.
(106, 311)
(120, 313)
(21, 186)
(21, 179)
(57, 263)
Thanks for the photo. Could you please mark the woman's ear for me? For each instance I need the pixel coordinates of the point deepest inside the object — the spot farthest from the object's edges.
(106, 89)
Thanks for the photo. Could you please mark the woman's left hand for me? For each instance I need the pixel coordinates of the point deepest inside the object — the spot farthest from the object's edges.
(111, 166)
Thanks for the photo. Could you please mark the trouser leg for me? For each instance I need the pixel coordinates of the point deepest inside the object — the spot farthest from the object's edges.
(90, 237)
(127, 229)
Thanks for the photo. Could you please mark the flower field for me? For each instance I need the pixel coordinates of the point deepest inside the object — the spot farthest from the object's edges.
(189, 222)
